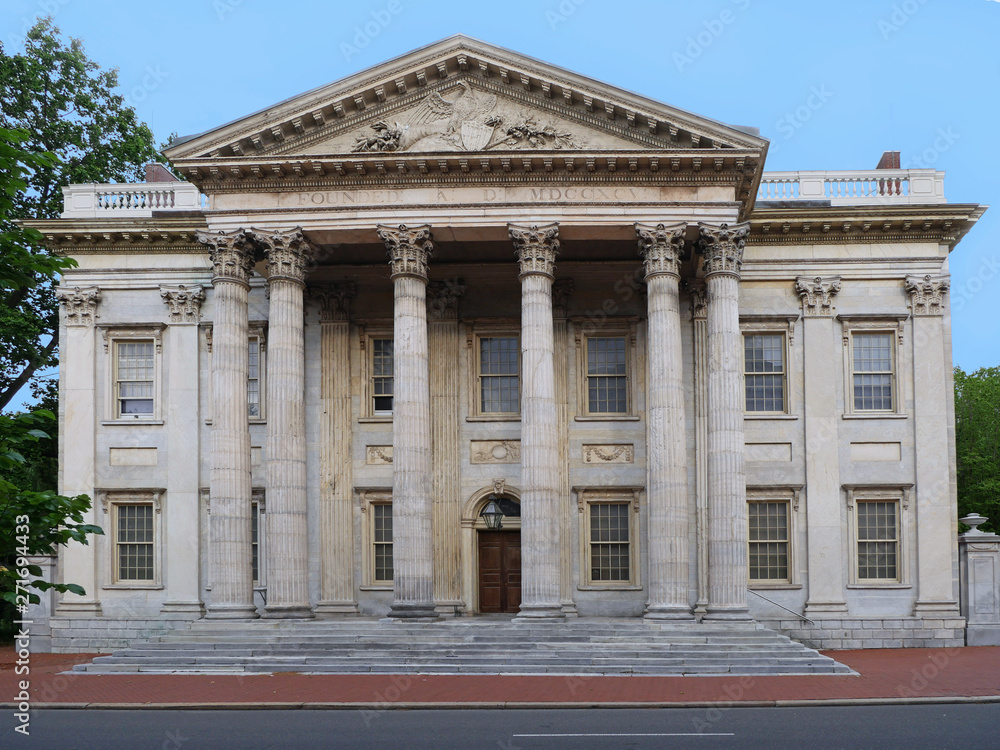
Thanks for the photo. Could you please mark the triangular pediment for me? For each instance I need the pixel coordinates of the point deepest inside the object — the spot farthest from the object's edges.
(462, 95)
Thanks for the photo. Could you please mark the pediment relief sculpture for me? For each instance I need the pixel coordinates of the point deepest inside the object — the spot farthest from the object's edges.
(471, 121)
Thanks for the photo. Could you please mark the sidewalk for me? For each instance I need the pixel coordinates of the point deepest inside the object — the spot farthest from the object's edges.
(885, 675)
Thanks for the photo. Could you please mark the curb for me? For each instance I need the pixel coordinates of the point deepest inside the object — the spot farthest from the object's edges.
(498, 705)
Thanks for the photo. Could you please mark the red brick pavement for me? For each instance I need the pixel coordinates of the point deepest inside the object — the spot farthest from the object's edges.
(884, 674)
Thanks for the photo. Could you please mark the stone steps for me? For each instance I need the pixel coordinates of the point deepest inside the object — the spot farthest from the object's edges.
(468, 646)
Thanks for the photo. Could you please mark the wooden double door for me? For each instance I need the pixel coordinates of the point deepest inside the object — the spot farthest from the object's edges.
(499, 571)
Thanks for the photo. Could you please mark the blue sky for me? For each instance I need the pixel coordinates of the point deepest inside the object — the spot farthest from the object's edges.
(833, 85)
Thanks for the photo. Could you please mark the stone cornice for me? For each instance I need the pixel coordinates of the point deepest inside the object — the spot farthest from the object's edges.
(927, 293)
(536, 246)
(944, 224)
(661, 247)
(817, 295)
(409, 249)
(113, 236)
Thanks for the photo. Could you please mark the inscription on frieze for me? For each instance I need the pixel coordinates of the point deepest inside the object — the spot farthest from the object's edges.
(453, 196)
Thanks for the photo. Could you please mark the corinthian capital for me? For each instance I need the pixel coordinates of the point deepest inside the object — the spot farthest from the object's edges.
(409, 249)
(287, 254)
(817, 294)
(442, 298)
(183, 302)
(661, 247)
(722, 247)
(335, 300)
(536, 247)
(232, 253)
(927, 293)
(79, 304)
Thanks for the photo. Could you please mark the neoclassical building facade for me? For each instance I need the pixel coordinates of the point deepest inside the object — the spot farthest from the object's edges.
(467, 281)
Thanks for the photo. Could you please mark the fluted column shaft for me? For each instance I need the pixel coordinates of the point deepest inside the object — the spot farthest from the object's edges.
(287, 532)
(230, 530)
(727, 528)
(537, 248)
(668, 546)
(412, 543)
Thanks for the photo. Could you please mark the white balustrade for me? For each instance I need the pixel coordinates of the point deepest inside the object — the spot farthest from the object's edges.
(139, 199)
(855, 187)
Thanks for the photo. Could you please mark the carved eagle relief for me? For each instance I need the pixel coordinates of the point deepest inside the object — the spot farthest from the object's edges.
(468, 122)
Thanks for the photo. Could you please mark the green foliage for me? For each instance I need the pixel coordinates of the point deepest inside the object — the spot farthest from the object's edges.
(32, 522)
(977, 442)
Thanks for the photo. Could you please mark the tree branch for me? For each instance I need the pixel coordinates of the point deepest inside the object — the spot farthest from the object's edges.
(29, 369)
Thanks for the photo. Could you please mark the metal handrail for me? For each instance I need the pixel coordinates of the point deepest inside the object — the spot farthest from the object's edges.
(791, 612)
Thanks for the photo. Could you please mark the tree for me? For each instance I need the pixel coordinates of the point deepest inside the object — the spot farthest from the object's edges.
(65, 105)
(977, 443)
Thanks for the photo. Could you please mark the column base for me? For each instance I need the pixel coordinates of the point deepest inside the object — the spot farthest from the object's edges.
(287, 612)
(334, 609)
(533, 612)
(231, 612)
(667, 612)
(569, 608)
(450, 608)
(727, 614)
(413, 611)
(182, 610)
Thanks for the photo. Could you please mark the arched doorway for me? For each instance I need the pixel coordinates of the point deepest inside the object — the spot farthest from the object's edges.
(499, 570)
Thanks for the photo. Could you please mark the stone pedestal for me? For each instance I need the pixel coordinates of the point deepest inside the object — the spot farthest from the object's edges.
(230, 560)
(540, 535)
(722, 249)
(287, 534)
(77, 563)
(979, 570)
(661, 248)
(412, 540)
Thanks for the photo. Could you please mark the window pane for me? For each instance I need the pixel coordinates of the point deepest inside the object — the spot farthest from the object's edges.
(135, 542)
(382, 539)
(253, 378)
(609, 542)
(135, 368)
(764, 353)
(382, 384)
(768, 535)
(873, 371)
(499, 384)
(255, 541)
(607, 381)
(878, 542)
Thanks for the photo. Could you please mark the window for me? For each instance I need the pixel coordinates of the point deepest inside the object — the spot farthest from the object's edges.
(768, 539)
(499, 382)
(382, 543)
(608, 537)
(134, 542)
(878, 540)
(132, 520)
(764, 372)
(607, 375)
(872, 362)
(381, 376)
(609, 542)
(135, 373)
(255, 556)
(253, 378)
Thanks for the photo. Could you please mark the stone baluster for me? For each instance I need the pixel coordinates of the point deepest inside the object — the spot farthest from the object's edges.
(661, 248)
(722, 250)
(412, 543)
(537, 248)
(287, 255)
(233, 255)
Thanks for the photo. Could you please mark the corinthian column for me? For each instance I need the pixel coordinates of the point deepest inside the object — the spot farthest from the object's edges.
(722, 249)
(537, 248)
(287, 537)
(412, 543)
(661, 247)
(232, 256)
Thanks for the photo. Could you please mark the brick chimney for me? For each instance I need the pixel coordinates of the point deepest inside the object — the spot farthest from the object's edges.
(889, 160)
(158, 173)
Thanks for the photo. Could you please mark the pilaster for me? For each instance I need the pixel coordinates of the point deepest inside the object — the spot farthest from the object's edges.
(562, 289)
(722, 250)
(661, 248)
(336, 511)
(412, 508)
(537, 248)
(233, 256)
(78, 563)
(181, 512)
(699, 324)
(935, 522)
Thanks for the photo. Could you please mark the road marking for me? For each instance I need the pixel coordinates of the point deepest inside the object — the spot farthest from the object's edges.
(636, 734)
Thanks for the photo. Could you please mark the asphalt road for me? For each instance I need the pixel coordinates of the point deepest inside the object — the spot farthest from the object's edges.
(935, 726)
